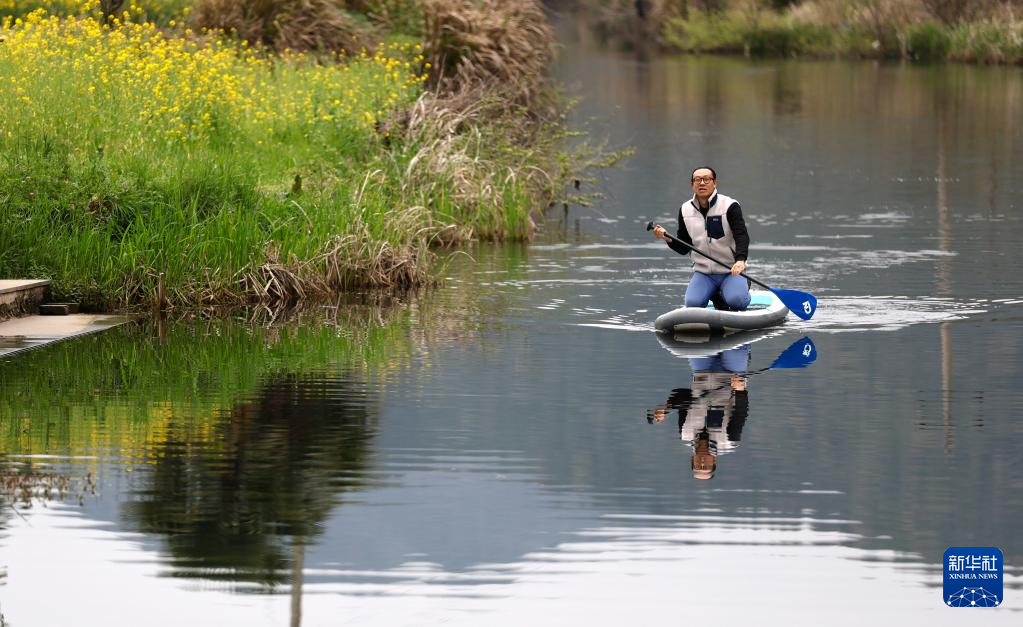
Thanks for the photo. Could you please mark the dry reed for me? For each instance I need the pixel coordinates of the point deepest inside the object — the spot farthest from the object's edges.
(303, 25)
(506, 43)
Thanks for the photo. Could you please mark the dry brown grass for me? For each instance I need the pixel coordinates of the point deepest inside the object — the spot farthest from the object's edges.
(305, 25)
(507, 43)
(355, 260)
(470, 150)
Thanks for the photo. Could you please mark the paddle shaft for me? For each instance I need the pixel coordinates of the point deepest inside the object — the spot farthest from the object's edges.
(670, 238)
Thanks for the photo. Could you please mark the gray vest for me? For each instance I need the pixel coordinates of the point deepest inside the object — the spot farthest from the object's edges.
(712, 234)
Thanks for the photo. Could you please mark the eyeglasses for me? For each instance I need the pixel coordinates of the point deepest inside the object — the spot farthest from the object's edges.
(702, 179)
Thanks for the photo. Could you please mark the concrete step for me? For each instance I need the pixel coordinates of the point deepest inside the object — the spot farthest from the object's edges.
(22, 297)
(58, 309)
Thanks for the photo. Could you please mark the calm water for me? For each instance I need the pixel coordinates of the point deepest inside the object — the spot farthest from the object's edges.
(493, 454)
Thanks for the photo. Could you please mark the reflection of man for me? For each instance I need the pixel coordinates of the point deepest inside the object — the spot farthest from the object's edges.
(712, 412)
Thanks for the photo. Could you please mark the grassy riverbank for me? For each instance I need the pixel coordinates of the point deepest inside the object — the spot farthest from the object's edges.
(918, 30)
(242, 170)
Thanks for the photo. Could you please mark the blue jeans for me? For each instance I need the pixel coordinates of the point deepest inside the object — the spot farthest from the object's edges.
(735, 360)
(734, 289)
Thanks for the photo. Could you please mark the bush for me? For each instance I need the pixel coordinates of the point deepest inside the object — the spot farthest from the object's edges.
(770, 36)
(927, 42)
(988, 42)
(302, 25)
(397, 16)
(498, 42)
(786, 39)
(703, 32)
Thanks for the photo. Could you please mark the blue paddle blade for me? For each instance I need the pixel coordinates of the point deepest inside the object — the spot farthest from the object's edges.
(801, 354)
(800, 303)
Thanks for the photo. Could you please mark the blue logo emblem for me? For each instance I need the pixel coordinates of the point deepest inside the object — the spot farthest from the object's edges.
(973, 576)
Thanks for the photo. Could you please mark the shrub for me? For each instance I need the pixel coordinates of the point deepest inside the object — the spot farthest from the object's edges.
(499, 42)
(397, 16)
(782, 39)
(988, 41)
(703, 32)
(303, 25)
(928, 41)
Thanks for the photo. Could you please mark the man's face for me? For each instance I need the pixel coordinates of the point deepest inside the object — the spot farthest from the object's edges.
(704, 183)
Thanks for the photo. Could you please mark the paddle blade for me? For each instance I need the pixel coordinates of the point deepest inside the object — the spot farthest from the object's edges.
(801, 354)
(800, 303)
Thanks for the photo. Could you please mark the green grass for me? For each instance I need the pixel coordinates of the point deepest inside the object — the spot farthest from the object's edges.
(984, 40)
(771, 35)
(706, 32)
(158, 11)
(126, 154)
(987, 41)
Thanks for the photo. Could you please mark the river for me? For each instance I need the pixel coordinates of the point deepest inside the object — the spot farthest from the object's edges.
(492, 453)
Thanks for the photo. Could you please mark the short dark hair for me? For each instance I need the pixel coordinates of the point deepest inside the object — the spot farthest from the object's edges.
(703, 167)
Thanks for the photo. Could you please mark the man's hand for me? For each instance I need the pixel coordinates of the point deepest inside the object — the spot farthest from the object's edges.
(659, 232)
(738, 267)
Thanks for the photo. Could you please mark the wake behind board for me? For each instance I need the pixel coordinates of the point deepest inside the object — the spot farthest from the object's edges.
(765, 310)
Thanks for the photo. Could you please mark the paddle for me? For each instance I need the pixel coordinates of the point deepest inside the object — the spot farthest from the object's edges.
(802, 304)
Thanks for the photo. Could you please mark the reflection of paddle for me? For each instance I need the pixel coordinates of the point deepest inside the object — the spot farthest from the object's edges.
(801, 354)
(802, 304)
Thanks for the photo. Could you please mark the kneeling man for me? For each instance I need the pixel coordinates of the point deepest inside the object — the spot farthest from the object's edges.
(712, 223)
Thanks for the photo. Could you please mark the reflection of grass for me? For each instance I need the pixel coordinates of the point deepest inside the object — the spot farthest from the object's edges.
(117, 392)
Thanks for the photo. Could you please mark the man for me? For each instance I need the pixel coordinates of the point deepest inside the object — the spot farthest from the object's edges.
(712, 222)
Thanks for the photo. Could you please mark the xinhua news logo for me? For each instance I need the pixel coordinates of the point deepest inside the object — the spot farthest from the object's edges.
(973, 576)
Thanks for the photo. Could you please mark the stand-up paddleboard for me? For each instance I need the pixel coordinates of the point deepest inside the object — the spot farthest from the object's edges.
(765, 310)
